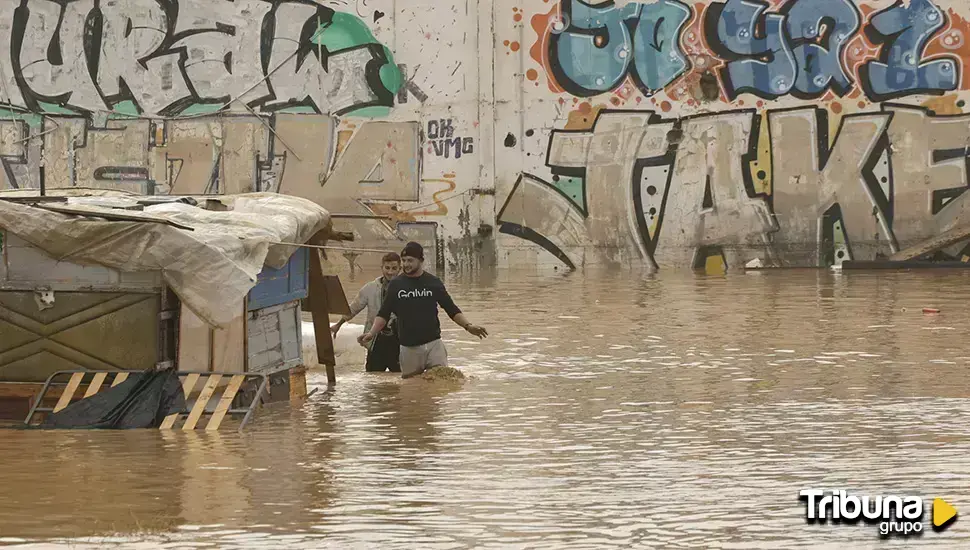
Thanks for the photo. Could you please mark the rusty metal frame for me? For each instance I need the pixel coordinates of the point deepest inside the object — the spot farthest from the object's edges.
(246, 411)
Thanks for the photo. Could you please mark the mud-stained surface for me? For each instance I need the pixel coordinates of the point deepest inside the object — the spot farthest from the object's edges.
(603, 411)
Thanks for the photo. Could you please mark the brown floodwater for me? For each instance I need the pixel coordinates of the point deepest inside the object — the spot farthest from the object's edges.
(605, 410)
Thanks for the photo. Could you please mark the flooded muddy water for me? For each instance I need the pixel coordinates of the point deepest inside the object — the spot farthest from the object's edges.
(605, 410)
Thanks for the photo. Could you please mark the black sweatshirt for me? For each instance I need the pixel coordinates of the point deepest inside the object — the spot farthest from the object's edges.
(415, 301)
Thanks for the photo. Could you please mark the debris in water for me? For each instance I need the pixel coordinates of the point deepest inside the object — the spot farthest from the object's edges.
(435, 374)
(930, 310)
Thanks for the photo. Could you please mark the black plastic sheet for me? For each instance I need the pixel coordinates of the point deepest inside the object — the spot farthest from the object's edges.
(141, 401)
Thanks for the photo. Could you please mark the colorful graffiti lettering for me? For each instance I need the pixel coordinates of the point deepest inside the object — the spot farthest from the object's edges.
(187, 56)
(904, 31)
(805, 48)
(595, 51)
(691, 187)
(201, 96)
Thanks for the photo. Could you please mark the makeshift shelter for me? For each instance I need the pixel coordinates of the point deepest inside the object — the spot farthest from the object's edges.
(105, 280)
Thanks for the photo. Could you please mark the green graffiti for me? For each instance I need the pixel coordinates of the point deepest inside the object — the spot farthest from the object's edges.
(573, 188)
(336, 31)
(346, 31)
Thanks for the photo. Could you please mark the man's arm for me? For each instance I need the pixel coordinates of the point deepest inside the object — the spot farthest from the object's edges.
(356, 307)
(453, 311)
(387, 307)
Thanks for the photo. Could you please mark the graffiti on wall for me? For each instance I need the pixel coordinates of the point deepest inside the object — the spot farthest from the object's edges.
(698, 152)
(740, 185)
(161, 58)
(201, 96)
(291, 153)
(443, 142)
(803, 48)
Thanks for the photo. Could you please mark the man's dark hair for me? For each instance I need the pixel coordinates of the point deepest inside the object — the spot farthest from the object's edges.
(391, 257)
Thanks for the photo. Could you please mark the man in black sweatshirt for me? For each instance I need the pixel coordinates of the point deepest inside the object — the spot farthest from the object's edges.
(414, 297)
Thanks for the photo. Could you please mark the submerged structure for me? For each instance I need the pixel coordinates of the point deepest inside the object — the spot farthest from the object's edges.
(110, 283)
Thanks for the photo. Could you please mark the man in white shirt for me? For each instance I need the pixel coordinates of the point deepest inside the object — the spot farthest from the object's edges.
(383, 352)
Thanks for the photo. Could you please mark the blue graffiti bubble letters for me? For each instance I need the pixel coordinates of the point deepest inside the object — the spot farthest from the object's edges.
(735, 29)
(591, 47)
(904, 32)
(658, 59)
(820, 31)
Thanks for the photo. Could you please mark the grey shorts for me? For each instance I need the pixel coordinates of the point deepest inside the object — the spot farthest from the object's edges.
(417, 359)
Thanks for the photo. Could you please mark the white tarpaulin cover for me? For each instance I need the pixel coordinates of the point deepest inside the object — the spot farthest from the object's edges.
(212, 268)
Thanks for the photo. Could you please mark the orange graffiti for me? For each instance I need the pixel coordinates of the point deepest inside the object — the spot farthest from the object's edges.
(343, 138)
(542, 24)
(391, 211)
(700, 84)
(583, 117)
(954, 40)
(944, 105)
(410, 215)
(441, 209)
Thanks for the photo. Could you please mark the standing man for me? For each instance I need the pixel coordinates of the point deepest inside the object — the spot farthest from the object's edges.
(414, 298)
(383, 351)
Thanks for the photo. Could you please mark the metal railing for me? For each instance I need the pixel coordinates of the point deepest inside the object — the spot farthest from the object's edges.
(211, 388)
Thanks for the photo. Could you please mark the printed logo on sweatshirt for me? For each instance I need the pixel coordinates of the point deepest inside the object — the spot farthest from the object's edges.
(420, 293)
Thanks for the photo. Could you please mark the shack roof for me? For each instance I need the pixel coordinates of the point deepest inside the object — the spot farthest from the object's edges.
(210, 258)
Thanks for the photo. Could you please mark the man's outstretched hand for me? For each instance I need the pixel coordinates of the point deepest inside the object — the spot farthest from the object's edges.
(364, 339)
(477, 331)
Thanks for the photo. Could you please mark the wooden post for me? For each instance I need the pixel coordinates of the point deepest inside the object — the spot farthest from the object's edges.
(320, 309)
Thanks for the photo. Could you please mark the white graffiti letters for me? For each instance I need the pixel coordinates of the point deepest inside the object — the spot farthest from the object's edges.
(162, 57)
(791, 187)
(155, 84)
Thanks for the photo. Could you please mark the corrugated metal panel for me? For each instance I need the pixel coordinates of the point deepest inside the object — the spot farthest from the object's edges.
(279, 286)
(86, 330)
(275, 338)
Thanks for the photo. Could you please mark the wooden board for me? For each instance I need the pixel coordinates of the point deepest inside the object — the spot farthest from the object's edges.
(114, 215)
(194, 342)
(941, 241)
(203, 348)
(223, 407)
(187, 386)
(851, 265)
(336, 297)
(95, 384)
(320, 308)
(201, 402)
(228, 345)
(72, 385)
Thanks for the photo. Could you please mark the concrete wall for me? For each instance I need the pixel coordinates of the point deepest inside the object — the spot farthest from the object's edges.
(511, 133)
(710, 133)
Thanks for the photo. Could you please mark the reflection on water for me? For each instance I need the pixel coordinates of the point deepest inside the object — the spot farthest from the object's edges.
(617, 410)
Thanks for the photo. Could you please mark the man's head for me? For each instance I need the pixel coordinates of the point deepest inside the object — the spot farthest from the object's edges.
(413, 258)
(390, 265)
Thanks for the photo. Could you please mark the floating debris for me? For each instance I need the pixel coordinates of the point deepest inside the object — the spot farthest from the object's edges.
(435, 374)
(930, 310)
